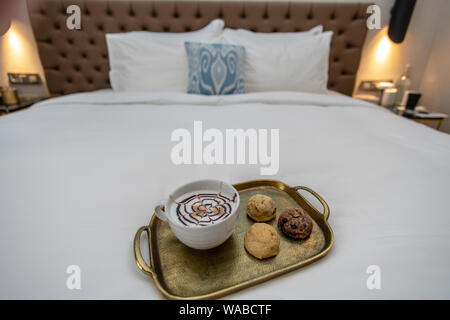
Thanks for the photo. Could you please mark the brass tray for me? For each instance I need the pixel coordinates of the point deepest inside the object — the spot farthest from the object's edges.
(180, 272)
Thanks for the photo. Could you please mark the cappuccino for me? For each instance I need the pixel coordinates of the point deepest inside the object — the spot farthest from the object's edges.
(201, 214)
(203, 208)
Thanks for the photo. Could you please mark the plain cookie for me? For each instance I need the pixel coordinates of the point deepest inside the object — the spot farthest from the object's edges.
(261, 208)
(262, 241)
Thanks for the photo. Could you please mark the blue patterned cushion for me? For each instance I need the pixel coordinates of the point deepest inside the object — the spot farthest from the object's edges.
(215, 69)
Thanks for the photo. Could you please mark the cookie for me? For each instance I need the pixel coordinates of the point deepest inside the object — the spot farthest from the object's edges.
(295, 223)
(262, 241)
(261, 208)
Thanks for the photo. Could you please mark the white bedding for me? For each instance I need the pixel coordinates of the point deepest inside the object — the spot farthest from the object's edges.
(79, 175)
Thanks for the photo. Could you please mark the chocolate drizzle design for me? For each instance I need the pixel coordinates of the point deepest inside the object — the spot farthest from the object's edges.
(204, 209)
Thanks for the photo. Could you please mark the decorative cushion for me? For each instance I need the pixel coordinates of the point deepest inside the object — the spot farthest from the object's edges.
(215, 69)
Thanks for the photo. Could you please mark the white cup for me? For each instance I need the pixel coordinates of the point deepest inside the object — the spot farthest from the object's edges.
(200, 237)
(388, 97)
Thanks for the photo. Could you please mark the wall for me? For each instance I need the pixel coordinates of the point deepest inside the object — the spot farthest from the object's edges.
(436, 79)
(18, 52)
(415, 50)
(30, 63)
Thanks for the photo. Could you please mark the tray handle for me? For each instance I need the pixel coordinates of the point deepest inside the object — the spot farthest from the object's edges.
(142, 265)
(326, 209)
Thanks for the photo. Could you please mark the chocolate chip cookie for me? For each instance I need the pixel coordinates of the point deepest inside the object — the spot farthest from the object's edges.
(295, 223)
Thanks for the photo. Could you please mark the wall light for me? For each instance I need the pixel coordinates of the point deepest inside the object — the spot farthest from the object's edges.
(383, 49)
(14, 41)
(15, 51)
(401, 14)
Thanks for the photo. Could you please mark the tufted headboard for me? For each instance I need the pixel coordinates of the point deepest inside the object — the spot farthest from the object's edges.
(77, 60)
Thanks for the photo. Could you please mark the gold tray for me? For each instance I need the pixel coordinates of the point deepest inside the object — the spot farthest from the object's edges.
(180, 272)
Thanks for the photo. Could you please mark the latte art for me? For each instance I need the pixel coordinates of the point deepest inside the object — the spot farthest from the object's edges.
(202, 209)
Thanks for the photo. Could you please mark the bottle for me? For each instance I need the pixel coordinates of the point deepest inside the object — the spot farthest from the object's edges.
(403, 84)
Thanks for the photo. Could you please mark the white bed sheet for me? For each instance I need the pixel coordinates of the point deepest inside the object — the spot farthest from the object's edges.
(79, 174)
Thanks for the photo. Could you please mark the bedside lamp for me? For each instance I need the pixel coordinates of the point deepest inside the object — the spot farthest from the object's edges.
(10, 96)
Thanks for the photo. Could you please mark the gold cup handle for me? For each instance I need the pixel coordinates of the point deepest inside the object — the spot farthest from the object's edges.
(326, 209)
(142, 265)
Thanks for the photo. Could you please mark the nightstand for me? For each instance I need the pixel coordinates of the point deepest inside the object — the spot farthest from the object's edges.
(436, 119)
(23, 105)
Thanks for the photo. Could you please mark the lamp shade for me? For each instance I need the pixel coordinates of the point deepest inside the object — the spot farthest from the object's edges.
(400, 17)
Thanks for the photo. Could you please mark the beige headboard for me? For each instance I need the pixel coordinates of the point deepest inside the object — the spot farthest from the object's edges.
(77, 60)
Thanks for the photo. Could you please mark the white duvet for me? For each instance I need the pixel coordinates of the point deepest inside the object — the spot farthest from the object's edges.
(80, 174)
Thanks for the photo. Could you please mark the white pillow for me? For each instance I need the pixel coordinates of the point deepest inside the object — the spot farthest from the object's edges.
(154, 61)
(285, 64)
(271, 36)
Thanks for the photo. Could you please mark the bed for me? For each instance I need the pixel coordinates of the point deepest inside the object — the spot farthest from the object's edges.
(80, 172)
